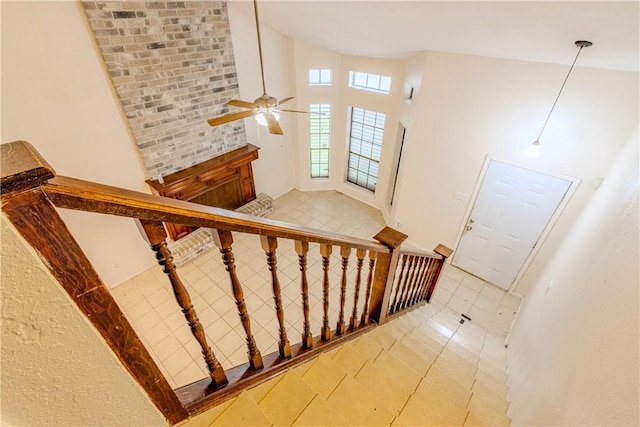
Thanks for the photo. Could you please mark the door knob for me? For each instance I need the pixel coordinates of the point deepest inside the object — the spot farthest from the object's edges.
(471, 221)
(469, 228)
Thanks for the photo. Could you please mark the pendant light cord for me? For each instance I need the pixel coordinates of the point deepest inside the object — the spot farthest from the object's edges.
(559, 93)
(255, 9)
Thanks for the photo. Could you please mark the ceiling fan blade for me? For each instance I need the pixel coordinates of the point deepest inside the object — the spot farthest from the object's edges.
(243, 104)
(229, 118)
(299, 111)
(282, 101)
(274, 126)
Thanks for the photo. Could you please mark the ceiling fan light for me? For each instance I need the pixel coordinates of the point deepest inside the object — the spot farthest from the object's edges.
(262, 120)
(533, 149)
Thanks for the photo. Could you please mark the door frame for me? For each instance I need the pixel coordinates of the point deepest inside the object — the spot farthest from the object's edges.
(573, 186)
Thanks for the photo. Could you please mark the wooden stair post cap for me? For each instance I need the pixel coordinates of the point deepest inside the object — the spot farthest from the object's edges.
(22, 167)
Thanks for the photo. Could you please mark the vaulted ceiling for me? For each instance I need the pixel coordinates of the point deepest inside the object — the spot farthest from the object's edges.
(531, 31)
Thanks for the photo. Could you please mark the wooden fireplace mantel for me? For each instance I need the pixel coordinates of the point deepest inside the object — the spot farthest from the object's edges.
(225, 181)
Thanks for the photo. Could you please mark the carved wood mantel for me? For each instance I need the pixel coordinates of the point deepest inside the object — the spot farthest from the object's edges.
(225, 181)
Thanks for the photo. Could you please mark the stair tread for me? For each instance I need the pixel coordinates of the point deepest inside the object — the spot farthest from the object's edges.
(287, 399)
(357, 406)
(386, 389)
(319, 414)
(324, 375)
(244, 411)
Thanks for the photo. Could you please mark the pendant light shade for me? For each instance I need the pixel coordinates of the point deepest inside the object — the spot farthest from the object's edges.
(534, 148)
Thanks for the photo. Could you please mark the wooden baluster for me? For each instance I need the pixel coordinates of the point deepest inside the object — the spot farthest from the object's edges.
(325, 330)
(429, 278)
(156, 237)
(421, 281)
(398, 285)
(364, 319)
(414, 283)
(344, 253)
(404, 284)
(302, 248)
(223, 239)
(356, 292)
(413, 262)
(270, 244)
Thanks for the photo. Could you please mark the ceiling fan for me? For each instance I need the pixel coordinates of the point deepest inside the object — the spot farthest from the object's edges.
(265, 107)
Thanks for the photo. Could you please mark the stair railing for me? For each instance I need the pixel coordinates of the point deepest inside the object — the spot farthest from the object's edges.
(31, 191)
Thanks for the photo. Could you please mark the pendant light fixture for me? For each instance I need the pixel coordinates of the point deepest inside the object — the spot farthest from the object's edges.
(535, 145)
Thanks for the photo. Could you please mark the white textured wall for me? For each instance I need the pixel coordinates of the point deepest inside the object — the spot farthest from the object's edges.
(469, 107)
(55, 368)
(574, 351)
(55, 94)
(274, 170)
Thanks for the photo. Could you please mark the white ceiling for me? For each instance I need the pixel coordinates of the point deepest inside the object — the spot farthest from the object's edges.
(523, 30)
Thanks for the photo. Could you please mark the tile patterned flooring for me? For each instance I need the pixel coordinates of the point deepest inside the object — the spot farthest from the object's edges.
(149, 304)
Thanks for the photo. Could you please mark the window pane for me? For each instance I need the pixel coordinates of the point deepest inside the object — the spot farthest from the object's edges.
(365, 145)
(370, 82)
(325, 76)
(314, 77)
(319, 139)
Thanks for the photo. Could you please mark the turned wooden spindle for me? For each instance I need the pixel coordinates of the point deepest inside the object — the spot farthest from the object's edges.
(419, 280)
(398, 283)
(411, 271)
(344, 253)
(415, 275)
(156, 237)
(356, 291)
(269, 245)
(429, 278)
(364, 319)
(223, 239)
(301, 249)
(325, 330)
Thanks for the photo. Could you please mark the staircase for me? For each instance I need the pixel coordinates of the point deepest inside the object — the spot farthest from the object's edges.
(424, 368)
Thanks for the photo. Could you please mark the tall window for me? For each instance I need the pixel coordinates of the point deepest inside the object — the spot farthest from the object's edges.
(320, 77)
(370, 82)
(320, 138)
(365, 145)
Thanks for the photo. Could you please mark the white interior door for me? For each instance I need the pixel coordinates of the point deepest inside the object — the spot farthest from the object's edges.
(513, 207)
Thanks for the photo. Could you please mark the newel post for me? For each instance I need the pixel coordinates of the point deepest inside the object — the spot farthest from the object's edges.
(384, 273)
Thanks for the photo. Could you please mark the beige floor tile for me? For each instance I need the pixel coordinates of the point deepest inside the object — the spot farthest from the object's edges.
(384, 388)
(348, 359)
(444, 406)
(324, 375)
(287, 399)
(465, 365)
(452, 388)
(242, 412)
(410, 358)
(485, 413)
(357, 406)
(367, 347)
(420, 336)
(417, 413)
(404, 376)
(319, 414)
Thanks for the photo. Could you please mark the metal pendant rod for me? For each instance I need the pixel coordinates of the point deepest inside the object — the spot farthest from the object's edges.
(581, 44)
(255, 8)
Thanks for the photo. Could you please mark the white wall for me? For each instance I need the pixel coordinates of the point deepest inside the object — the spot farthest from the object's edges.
(275, 168)
(341, 97)
(469, 107)
(56, 369)
(573, 352)
(56, 95)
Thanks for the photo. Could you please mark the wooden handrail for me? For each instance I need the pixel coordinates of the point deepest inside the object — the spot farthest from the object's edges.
(71, 193)
(31, 190)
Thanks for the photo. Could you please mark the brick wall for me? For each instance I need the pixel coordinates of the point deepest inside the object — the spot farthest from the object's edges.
(172, 66)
